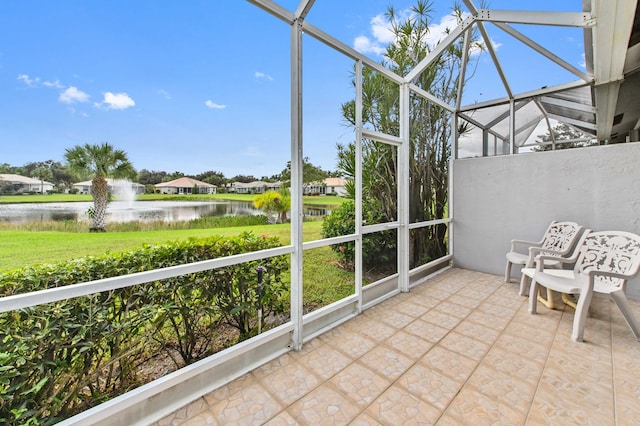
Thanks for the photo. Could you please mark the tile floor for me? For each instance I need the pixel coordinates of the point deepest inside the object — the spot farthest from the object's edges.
(460, 349)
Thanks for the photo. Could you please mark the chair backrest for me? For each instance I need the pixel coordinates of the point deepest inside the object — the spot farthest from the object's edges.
(561, 236)
(610, 251)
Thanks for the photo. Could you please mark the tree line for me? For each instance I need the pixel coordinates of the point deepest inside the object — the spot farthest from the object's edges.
(63, 176)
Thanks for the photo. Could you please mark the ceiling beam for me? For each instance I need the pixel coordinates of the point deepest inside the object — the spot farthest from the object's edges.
(563, 19)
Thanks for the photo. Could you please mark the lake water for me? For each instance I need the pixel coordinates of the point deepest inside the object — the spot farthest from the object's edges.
(123, 211)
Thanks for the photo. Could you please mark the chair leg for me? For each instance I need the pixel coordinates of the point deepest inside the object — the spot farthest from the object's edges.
(580, 317)
(548, 301)
(507, 272)
(524, 285)
(621, 301)
(533, 299)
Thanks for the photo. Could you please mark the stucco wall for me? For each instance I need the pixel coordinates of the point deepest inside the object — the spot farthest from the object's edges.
(497, 199)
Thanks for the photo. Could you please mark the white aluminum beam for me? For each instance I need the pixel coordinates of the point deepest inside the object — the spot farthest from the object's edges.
(573, 121)
(358, 184)
(431, 98)
(381, 137)
(403, 176)
(568, 104)
(534, 93)
(274, 9)
(26, 300)
(463, 69)
(535, 17)
(546, 53)
(297, 212)
(303, 9)
(348, 51)
(437, 51)
(610, 42)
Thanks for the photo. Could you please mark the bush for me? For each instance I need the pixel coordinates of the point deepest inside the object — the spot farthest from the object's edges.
(62, 358)
(378, 250)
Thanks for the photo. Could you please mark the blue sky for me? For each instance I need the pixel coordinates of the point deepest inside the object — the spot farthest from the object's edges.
(204, 85)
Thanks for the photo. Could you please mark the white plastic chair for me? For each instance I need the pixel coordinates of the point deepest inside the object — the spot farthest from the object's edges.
(604, 262)
(558, 241)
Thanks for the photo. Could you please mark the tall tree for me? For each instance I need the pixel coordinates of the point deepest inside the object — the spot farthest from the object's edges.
(42, 173)
(430, 129)
(102, 161)
(310, 173)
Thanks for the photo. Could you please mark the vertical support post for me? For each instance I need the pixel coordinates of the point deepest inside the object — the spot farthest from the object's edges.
(358, 184)
(296, 183)
(485, 142)
(512, 126)
(455, 134)
(404, 159)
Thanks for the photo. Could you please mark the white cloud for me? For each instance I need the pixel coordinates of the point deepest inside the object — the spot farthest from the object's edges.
(260, 75)
(55, 84)
(210, 104)
(381, 29)
(364, 45)
(28, 81)
(72, 95)
(382, 34)
(164, 93)
(118, 100)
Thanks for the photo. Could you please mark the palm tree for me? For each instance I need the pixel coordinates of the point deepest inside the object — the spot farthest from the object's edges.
(102, 161)
(274, 201)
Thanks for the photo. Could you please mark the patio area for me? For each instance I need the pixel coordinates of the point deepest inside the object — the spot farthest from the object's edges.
(459, 348)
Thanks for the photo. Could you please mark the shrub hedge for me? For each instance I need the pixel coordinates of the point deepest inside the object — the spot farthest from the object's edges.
(62, 358)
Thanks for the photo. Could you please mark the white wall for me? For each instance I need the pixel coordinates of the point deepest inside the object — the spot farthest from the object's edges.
(497, 199)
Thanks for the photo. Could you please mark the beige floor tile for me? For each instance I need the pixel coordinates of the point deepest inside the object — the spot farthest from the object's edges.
(410, 345)
(473, 408)
(477, 331)
(514, 365)
(324, 406)
(441, 319)
(465, 301)
(386, 362)
(252, 405)
(365, 420)
(488, 320)
(558, 405)
(398, 407)
(430, 386)
(426, 330)
(450, 364)
(508, 389)
(450, 308)
(377, 330)
(352, 344)
(466, 346)
(524, 348)
(360, 384)
(283, 418)
(393, 318)
(290, 382)
(408, 307)
(325, 361)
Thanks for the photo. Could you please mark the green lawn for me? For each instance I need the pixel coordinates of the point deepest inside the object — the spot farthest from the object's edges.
(24, 248)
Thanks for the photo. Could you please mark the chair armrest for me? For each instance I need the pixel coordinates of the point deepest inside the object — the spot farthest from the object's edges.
(540, 259)
(594, 272)
(536, 251)
(514, 243)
